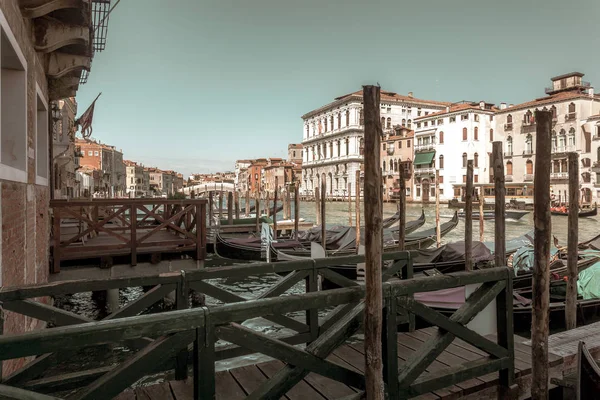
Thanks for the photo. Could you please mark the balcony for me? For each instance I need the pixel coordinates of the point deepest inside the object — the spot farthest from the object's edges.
(528, 152)
(528, 127)
(425, 147)
(563, 149)
(508, 127)
(571, 117)
(596, 136)
(528, 178)
(508, 154)
(508, 178)
(551, 90)
(559, 176)
(596, 166)
(424, 171)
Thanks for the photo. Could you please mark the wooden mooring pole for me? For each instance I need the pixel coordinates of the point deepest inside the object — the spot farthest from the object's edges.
(236, 204)
(257, 208)
(572, 242)
(373, 318)
(499, 205)
(296, 209)
(401, 208)
(318, 205)
(349, 204)
(469, 218)
(247, 205)
(357, 209)
(438, 233)
(481, 201)
(211, 207)
(323, 216)
(275, 208)
(541, 273)
(220, 206)
(229, 208)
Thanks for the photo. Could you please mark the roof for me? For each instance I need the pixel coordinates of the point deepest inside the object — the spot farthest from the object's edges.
(566, 76)
(555, 98)
(393, 138)
(457, 108)
(385, 97)
(295, 146)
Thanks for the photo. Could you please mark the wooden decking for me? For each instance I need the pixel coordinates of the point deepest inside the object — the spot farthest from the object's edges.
(237, 383)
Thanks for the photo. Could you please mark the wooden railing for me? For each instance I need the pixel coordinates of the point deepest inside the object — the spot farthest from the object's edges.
(106, 228)
(175, 330)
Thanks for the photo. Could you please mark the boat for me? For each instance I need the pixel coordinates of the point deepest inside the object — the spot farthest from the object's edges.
(250, 248)
(409, 227)
(508, 214)
(246, 221)
(582, 213)
(588, 374)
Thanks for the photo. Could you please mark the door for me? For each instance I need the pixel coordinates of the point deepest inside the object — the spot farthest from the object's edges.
(425, 192)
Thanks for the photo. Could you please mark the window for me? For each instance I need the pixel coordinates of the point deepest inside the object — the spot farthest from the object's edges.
(396, 166)
(42, 151)
(476, 117)
(464, 134)
(389, 123)
(476, 133)
(529, 144)
(425, 123)
(331, 122)
(409, 112)
(13, 109)
(509, 119)
(464, 179)
(475, 178)
(453, 119)
(440, 179)
(456, 192)
(464, 117)
(347, 117)
(553, 109)
(409, 126)
(464, 159)
(403, 121)
(528, 119)
(384, 166)
(509, 169)
(491, 118)
(383, 146)
(440, 121)
(418, 192)
(491, 135)
(418, 112)
(475, 160)
(571, 108)
(383, 122)
(408, 143)
(529, 167)
(509, 145)
(400, 144)
(339, 120)
(361, 147)
(426, 112)
(347, 146)
(90, 153)
(441, 162)
(418, 125)
(441, 137)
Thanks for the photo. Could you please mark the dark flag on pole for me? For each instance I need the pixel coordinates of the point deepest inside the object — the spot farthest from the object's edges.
(85, 121)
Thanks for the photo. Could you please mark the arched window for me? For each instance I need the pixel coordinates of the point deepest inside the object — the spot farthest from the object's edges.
(330, 149)
(476, 134)
(554, 141)
(529, 144)
(382, 122)
(562, 140)
(339, 120)
(553, 110)
(441, 137)
(509, 145)
(347, 117)
(527, 118)
(441, 162)
(571, 108)
(339, 149)
(384, 166)
(389, 123)
(409, 125)
(361, 119)
(529, 167)
(403, 121)
(331, 122)
(396, 166)
(347, 146)
(491, 135)
(464, 133)
(509, 170)
(475, 160)
(464, 158)
(509, 119)
(571, 141)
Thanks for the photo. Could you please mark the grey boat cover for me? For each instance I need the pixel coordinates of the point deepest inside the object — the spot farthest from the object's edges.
(452, 252)
(513, 245)
(593, 244)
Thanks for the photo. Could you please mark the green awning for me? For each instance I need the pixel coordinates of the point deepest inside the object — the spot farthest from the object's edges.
(424, 158)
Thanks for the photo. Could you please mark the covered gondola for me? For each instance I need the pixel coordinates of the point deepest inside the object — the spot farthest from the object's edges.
(508, 214)
(251, 248)
(409, 227)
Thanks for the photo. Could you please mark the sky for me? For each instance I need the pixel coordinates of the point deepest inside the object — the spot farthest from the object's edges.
(193, 85)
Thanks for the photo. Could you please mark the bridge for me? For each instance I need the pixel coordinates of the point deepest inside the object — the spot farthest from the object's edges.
(209, 187)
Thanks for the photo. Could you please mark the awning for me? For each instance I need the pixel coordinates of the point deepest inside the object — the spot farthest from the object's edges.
(424, 158)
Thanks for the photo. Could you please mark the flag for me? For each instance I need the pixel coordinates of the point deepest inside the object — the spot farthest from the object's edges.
(85, 121)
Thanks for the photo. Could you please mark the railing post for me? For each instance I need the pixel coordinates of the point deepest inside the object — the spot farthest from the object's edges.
(505, 334)
(1, 333)
(200, 231)
(182, 303)
(390, 346)
(312, 315)
(56, 250)
(133, 237)
(204, 360)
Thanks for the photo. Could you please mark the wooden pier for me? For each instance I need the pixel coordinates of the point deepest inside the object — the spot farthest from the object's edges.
(105, 228)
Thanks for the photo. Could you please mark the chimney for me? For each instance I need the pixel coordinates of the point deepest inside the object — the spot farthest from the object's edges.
(510, 105)
(447, 108)
(591, 92)
(482, 104)
(503, 106)
(410, 94)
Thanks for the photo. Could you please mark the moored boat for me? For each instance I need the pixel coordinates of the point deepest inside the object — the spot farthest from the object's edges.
(582, 213)
(508, 214)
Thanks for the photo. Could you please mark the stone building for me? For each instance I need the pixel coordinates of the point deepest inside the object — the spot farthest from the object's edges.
(109, 161)
(295, 153)
(44, 51)
(396, 153)
(445, 140)
(574, 128)
(255, 174)
(66, 154)
(240, 166)
(282, 171)
(333, 137)
(137, 182)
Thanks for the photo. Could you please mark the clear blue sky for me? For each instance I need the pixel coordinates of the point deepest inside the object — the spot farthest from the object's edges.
(193, 85)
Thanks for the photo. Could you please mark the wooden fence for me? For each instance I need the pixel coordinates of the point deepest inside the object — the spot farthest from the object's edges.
(107, 227)
(173, 331)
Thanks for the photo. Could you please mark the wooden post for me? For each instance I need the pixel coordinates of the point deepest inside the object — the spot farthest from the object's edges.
(572, 242)
(357, 210)
(296, 209)
(438, 232)
(499, 205)
(318, 205)
(481, 201)
(275, 208)
(323, 218)
(469, 218)
(229, 208)
(267, 204)
(541, 272)
(373, 317)
(257, 208)
(56, 248)
(210, 208)
(288, 203)
(247, 203)
(401, 209)
(221, 204)
(349, 205)
(236, 203)
(133, 233)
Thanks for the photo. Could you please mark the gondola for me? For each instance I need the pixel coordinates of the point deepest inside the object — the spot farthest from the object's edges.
(409, 227)
(588, 374)
(508, 214)
(582, 214)
(251, 248)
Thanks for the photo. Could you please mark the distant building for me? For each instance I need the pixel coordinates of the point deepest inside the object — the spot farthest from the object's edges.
(241, 165)
(333, 137)
(396, 153)
(109, 162)
(137, 181)
(279, 170)
(295, 153)
(255, 173)
(66, 153)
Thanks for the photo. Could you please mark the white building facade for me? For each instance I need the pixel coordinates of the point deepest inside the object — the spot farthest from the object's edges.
(445, 141)
(333, 138)
(575, 122)
(241, 168)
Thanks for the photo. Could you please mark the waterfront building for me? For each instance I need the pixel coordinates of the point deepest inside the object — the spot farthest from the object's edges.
(255, 173)
(156, 181)
(241, 165)
(137, 184)
(109, 161)
(85, 183)
(574, 107)
(333, 137)
(281, 170)
(444, 141)
(295, 153)
(66, 153)
(396, 153)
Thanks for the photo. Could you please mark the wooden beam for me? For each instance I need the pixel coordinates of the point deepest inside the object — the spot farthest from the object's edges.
(61, 64)
(275, 208)
(323, 215)
(9, 392)
(373, 319)
(572, 242)
(318, 205)
(204, 362)
(357, 210)
(481, 215)
(499, 206)
(469, 218)
(296, 209)
(229, 208)
(401, 208)
(349, 204)
(51, 35)
(541, 271)
(438, 232)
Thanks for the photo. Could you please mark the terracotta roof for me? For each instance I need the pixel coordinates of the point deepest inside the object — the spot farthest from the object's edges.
(294, 146)
(393, 138)
(555, 98)
(457, 108)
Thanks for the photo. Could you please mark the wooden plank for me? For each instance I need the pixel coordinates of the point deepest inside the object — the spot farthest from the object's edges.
(126, 395)
(45, 312)
(469, 217)
(572, 242)
(182, 390)
(323, 214)
(156, 392)
(227, 388)
(140, 304)
(9, 392)
(499, 206)
(63, 382)
(296, 210)
(390, 347)
(204, 363)
(402, 207)
(249, 377)
(301, 391)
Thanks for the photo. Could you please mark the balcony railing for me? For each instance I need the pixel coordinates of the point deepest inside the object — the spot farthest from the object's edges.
(528, 127)
(559, 175)
(508, 178)
(528, 152)
(563, 149)
(528, 178)
(425, 171)
(570, 117)
(425, 147)
(551, 89)
(508, 127)
(508, 154)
